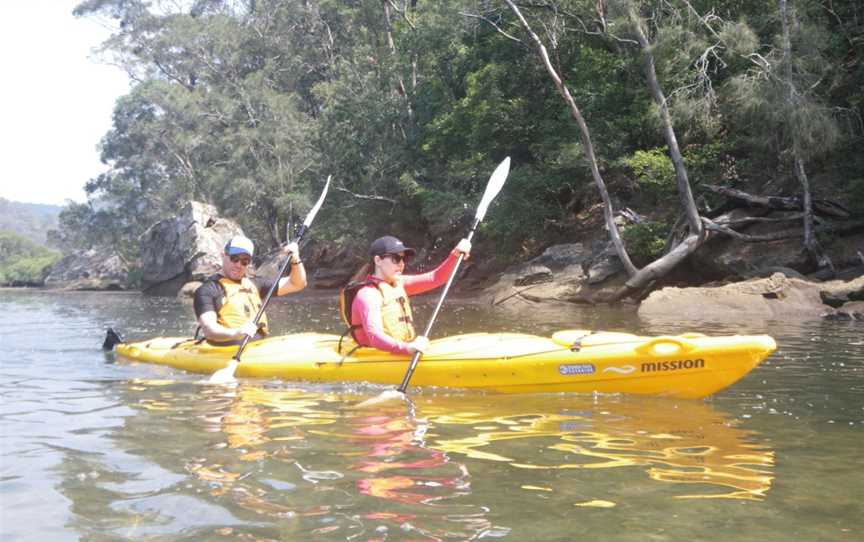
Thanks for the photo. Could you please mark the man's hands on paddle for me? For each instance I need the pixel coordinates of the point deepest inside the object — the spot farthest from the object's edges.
(293, 250)
(249, 328)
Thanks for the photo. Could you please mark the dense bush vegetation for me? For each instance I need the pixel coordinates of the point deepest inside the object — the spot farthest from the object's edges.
(22, 261)
(250, 104)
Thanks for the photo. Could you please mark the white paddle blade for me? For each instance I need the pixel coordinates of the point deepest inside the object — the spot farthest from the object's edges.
(314, 211)
(496, 181)
(383, 397)
(225, 375)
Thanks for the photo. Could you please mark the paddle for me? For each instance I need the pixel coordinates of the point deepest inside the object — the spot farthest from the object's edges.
(496, 181)
(226, 374)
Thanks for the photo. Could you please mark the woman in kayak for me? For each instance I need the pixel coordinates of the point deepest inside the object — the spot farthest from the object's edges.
(375, 303)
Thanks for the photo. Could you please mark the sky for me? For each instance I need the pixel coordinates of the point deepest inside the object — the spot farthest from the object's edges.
(56, 100)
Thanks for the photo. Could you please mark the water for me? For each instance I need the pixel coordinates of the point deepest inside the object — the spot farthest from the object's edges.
(99, 450)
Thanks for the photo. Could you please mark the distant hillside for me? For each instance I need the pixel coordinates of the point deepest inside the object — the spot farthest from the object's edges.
(29, 220)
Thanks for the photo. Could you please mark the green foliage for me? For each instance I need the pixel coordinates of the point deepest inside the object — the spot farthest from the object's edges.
(22, 261)
(645, 241)
(654, 172)
(250, 105)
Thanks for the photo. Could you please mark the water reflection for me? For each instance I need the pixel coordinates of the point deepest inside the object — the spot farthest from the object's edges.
(311, 465)
(675, 442)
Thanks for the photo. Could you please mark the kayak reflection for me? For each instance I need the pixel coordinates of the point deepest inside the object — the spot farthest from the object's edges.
(675, 442)
(445, 464)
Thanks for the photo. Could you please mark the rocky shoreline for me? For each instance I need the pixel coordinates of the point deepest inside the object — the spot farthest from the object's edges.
(727, 277)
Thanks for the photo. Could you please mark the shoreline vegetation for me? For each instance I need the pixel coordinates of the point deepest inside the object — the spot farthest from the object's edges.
(655, 145)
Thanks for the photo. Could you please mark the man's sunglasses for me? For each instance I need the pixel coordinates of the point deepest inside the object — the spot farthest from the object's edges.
(243, 261)
(398, 258)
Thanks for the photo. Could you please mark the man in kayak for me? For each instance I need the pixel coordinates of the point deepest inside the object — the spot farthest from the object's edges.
(375, 303)
(226, 303)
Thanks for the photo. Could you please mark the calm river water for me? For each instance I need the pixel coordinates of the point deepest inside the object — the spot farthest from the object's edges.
(97, 449)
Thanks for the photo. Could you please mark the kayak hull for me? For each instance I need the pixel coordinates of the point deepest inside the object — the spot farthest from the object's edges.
(688, 366)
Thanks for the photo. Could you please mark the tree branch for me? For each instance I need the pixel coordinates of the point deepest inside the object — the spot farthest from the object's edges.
(492, 24)
(365, 196)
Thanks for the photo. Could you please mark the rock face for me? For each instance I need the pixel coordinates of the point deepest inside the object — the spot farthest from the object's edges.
(94, 269)
(185, 248)
(774, 297)
(568, 272)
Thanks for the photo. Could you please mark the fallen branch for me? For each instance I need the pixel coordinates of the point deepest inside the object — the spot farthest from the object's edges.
(784, 203)
(514, 294)
(759, 219)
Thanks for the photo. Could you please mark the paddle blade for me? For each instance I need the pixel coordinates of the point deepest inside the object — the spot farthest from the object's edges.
(496, 182)
(314, 211)
(383, 397)
(112, 339)
(225, 375)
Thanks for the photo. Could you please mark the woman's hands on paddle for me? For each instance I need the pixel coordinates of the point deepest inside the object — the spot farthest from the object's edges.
(419, 344)
(464, 246)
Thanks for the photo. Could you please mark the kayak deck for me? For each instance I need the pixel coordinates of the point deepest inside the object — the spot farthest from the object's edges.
(685, 366)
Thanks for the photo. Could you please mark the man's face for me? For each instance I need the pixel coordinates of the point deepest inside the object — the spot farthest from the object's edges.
(234, 267)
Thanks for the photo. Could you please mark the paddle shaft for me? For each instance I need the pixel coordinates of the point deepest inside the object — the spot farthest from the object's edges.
(415, 359)
(270, 292)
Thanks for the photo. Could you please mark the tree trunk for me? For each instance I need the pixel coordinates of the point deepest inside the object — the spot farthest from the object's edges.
(608, 213)
(391, 43)
(662, 266)
(683, 183)
(811, 244)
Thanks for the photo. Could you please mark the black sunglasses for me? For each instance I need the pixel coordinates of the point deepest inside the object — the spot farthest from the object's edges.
(398, 258)
(243, 261)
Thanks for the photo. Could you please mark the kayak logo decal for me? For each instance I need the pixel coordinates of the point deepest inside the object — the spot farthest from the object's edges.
(576, 369)
(674, 365)
(626, 370)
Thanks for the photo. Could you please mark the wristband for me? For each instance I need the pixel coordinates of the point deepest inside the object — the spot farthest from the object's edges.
(295, 262)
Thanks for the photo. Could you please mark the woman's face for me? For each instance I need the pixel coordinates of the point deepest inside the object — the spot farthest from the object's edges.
(390, 266)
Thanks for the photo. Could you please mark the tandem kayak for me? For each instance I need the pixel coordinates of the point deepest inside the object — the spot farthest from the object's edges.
(688, 366)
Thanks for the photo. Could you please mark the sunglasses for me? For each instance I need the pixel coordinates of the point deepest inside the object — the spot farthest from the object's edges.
(240, 259)
(398, 258)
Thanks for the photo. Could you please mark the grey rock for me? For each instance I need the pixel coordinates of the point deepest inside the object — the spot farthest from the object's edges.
(558, 257)
(94, 269)
(185, 248)
(605, 265)
(528, 274)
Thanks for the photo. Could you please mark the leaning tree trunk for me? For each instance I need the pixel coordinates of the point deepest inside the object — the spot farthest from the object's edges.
(391, 44)
(608, 214)
(811, 244)
(679, 253)
(683, 183)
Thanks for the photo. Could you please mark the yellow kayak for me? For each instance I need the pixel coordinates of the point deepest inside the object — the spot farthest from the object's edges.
(688, 366)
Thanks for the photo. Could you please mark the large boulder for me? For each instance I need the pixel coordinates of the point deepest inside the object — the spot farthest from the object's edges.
(94, 269)
(185, 248)
(775, 297)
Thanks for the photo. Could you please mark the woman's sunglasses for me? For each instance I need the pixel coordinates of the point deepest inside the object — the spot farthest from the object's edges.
(398, 258)
(243, 261)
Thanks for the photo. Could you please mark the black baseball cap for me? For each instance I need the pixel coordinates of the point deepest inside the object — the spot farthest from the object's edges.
(389, 245)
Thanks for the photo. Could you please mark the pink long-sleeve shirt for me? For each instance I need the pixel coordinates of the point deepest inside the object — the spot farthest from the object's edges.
(366, 309)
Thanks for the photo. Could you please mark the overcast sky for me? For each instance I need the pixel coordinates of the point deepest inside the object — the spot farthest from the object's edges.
(55, 100)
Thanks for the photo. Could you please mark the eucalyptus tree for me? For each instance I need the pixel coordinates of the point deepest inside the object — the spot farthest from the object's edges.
(216, 115)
